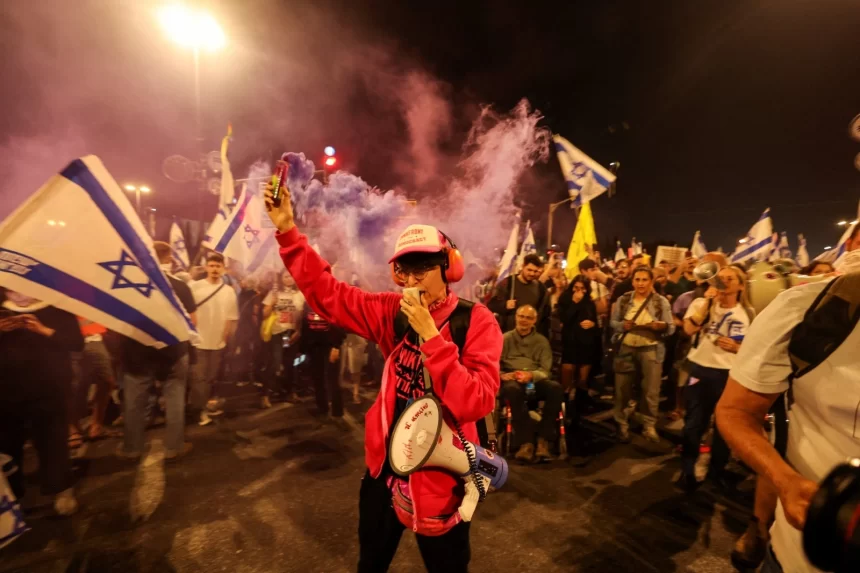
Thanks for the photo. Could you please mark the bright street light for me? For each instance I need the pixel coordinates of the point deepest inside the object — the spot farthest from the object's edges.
(842, 223)
(137, 190)
(329, 151)
(827, 248)
(742, 241)
(192, 28)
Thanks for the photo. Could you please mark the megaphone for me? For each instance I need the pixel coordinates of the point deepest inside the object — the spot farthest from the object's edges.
(708, 272)
(421, 438)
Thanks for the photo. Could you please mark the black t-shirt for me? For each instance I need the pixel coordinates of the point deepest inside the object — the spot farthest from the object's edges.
(139, 359)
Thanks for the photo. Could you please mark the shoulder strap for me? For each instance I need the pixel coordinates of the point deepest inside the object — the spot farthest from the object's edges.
(459, 322)
(205, 300)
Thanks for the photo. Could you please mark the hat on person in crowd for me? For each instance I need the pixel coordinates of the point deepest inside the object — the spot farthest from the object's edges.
(429, 240)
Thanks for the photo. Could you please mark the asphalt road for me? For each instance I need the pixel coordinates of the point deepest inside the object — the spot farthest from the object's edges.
(276, 491)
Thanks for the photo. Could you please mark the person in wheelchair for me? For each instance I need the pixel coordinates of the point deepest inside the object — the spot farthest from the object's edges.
(525, 368)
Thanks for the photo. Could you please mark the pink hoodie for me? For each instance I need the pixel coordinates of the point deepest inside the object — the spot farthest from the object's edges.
(466, 385)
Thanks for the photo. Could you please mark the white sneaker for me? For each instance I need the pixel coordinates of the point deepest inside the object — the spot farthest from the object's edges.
(65, 503)
(205, 420)
(650, 434)
(215, 406)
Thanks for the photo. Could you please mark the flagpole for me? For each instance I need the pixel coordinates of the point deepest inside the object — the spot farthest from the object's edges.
(552, 208)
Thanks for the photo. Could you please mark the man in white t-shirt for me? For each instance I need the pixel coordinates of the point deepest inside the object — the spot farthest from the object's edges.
(823, 428)
(288, 305)
(717, 324)
(217, 313)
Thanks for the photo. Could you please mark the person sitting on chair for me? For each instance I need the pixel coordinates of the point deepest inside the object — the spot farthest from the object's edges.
(527, 360)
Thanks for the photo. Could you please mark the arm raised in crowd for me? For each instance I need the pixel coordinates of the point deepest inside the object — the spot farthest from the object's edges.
(369, 315)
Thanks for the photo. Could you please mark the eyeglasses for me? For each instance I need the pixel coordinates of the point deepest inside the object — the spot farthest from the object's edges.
(403, 274)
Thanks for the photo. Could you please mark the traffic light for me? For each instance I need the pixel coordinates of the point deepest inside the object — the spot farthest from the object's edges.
(330, 159)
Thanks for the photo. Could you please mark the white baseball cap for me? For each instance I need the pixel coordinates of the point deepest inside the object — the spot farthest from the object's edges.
(418, 239)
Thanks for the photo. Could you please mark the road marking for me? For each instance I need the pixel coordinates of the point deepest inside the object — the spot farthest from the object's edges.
(148, 490)
(272, 477)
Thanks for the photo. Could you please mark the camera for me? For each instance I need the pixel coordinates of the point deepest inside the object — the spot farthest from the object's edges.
(831, 535)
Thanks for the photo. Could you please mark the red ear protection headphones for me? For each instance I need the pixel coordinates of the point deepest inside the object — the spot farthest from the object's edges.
(453, 268)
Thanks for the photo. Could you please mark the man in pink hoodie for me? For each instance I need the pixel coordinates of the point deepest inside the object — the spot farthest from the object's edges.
(466, 384)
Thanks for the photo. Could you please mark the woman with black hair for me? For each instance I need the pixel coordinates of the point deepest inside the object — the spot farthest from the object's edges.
(580, 337)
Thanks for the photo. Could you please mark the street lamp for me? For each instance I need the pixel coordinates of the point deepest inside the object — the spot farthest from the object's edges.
(137, 190)
(197, 30)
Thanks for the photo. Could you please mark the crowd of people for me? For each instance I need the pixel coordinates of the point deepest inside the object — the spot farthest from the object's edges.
(645, 331)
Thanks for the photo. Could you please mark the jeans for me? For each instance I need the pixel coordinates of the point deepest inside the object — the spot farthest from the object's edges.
(280, 374)
(705, 387)
(205, 373)
(632, 364)
(523, 426)
(136, 405)
(326, 378)
(379, 532)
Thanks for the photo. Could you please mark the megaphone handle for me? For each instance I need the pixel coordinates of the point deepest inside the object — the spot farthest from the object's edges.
(470, 500)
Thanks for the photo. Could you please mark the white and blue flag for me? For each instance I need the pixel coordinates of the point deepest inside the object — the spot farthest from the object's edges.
(698, 247)
(243, 236)
(529, 246)
(178, 246)
(759, 242)
(586, 179)
(782, 249)
(802, 253)
(509, 258)
(78, 244)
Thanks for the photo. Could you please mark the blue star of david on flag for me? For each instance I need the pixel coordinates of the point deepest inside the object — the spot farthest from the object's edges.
(251, 235)
(179, 245)
(120, 281)
(578, 173)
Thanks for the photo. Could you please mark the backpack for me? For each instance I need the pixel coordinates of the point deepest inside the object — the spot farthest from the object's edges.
(458, 323)
(826, 324)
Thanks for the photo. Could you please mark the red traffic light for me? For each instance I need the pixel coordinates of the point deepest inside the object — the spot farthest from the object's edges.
(330, 161)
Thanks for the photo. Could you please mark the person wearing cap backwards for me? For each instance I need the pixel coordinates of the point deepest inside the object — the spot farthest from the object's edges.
(466, 383)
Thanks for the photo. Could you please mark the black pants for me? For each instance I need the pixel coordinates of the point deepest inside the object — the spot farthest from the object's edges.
(379, 532)
(281, 372)
(702, 394)
(524, 431)
(326, 383)
(44, 420)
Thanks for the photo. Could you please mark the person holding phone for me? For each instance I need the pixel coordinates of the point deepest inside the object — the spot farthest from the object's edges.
(640, 321)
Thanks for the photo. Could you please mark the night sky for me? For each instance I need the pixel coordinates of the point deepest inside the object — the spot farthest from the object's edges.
(715, 109)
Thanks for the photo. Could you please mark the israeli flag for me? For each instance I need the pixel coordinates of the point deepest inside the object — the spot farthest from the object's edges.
(509, 258)
(698, 247)
(782, 250)
(244, 238)
(635, 248)
(529, 246)
(802, 253)
(178, 246)
(78, 244)
(759, 241)
(586, 179)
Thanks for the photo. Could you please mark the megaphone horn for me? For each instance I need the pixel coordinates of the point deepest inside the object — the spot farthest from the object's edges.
(421, 439)
(706, 271)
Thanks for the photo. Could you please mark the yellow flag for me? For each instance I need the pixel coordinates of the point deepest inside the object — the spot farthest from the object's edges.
(583, 239)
